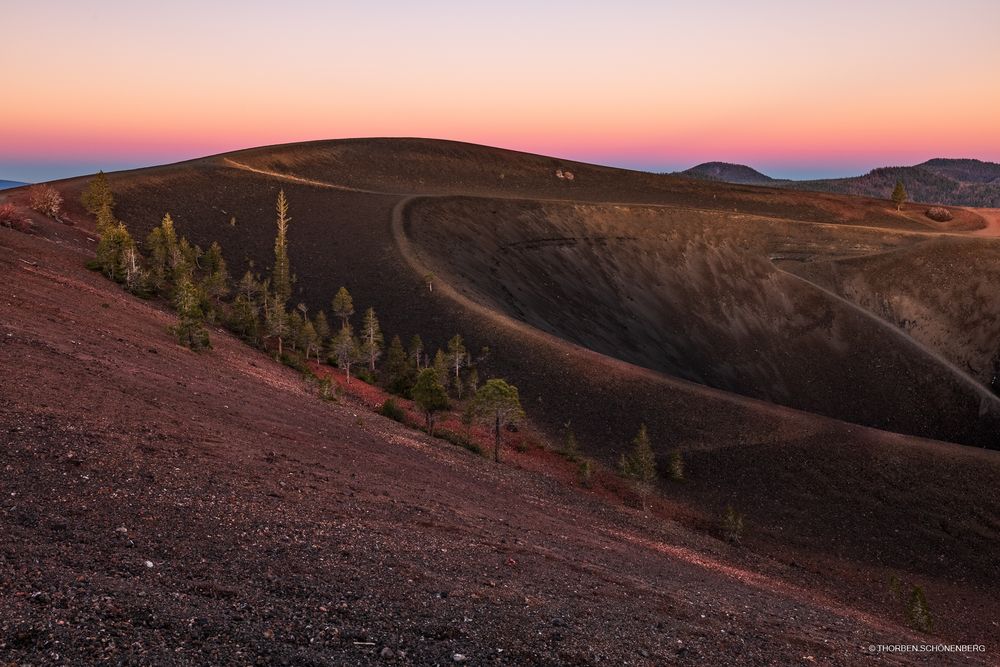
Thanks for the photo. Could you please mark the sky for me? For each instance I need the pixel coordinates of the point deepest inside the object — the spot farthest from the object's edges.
(796, 89)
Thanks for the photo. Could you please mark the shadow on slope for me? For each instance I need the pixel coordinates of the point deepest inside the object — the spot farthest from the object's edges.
(694, 295)
(944, 292)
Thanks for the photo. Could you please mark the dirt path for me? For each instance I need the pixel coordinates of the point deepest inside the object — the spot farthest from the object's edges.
(298, 179)
(547, 200)
(992, 217)
(421, 268)
(766, 584)
(982, 392)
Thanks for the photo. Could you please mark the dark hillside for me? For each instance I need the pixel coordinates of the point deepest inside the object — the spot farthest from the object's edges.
(728, 173)
(345, 237)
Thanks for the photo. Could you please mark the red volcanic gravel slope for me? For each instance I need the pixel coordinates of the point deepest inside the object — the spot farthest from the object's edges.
(159, 506)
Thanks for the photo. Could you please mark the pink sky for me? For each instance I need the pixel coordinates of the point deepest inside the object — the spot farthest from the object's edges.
(792, 88)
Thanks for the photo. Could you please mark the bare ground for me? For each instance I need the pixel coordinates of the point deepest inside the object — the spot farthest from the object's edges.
(171, 508)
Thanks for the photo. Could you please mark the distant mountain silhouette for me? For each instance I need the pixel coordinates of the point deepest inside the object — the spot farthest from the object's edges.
(4, 185)
(969, 171)
(729, 173)
(954, 182)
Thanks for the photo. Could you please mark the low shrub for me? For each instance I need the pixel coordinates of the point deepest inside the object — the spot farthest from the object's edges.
(732, 525)
(295, 361)
(10, 218)
(570, 447)
(676, 466)
(938, 214)
(365, 376)
(392, 410)
(45, 199)
(401, 387)
(327, 390)
(917, 612)
(8, 214)
(192, 334)
(460, 440)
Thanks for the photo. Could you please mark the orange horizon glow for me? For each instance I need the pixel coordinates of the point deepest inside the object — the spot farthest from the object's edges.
(647, 86)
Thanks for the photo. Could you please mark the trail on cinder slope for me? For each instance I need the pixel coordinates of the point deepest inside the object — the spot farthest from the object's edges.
(694, 294)
(755, 333)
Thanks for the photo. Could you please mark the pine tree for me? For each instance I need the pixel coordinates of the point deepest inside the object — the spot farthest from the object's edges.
(111, 251)
(343, 306)
(416, 350)
(105, 220)
(397, 368)
(190, 259)
(249, 287)
(266, 299)
(498, 405)
(456, 358)
(246, 308)
(295, 326)
(310, 341)
(135, 275)
(899, 194)
(322, 329)
(429, 396)
(469, 419)
(191, 329)
(281, 275)
(216, 281)
(440, 366)
(371, 338)
(276, 321)
(164, 254)
(119, 259)
(97, 194)
(472, 381)
(346, 349)
(639, 465)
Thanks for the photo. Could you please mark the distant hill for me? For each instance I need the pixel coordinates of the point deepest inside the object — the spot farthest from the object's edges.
(968, 171)
(937, 181)
(953, 182)
(729, 173)
(5, 185)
